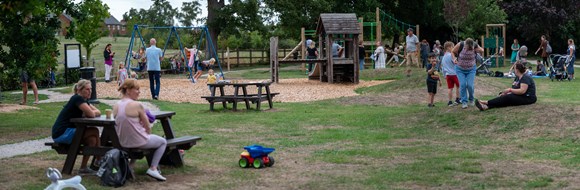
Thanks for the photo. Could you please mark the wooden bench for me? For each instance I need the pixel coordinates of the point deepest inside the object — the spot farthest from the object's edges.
(180, 143)
(254, 98)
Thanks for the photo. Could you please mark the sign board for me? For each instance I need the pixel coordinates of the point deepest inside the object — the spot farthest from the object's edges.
(73, 58)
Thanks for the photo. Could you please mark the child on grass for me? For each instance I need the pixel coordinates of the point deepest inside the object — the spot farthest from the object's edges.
(432, 78)
(448, 68)
(121, 74)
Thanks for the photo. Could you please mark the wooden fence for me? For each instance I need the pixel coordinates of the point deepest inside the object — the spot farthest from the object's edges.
(249, 57)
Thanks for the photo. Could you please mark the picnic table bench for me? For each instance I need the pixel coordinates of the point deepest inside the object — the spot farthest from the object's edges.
(110, 140)
(243, 97)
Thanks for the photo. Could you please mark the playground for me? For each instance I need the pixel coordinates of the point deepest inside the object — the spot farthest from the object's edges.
(335, 127)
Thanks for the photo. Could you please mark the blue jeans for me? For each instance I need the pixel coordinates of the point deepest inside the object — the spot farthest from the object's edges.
(154, 77)
(466, 80)
(361, 62)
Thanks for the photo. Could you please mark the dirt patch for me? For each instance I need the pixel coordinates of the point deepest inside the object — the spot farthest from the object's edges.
(291, 90)
(9, 108)
(483, 87)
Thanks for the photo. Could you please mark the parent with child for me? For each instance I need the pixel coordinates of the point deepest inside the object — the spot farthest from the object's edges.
(465, 68)
(133, 127)
(77, 106)
(522, 92)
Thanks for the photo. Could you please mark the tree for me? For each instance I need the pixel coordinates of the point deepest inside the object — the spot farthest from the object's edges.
(482, 12)
(89, 22)
(553, 18)
(161, 13)
(27, 35)
(455, 13)
(189, 13)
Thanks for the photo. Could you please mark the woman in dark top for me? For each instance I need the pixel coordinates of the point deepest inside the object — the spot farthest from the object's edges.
(108, 56)
(522, 92)
(312, 54)
(543, 47)
(63, 130)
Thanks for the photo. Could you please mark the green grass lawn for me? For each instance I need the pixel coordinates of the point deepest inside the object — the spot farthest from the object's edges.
(345, 144)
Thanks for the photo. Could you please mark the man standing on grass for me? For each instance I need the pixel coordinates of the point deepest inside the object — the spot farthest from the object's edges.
(154, 58)
(411, 49)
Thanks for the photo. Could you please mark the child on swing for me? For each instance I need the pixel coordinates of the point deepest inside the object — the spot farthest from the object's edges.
(207, 63)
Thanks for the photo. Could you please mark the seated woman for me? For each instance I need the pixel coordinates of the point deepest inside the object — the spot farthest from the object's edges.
(522, 92)
(63, 130)
(133, 128)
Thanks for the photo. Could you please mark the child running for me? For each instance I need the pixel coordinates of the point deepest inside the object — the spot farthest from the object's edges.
(121, 74)
(449, 73)
(432, 78)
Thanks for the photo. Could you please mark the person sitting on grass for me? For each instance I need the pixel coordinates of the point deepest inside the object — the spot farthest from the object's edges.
(522, 92)
(432, 78)
(204, 64)
(540, 69)
(63, 130)
(133, 127)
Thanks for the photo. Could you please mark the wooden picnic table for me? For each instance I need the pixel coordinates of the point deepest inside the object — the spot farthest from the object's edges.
(237, 97)
(109, 135)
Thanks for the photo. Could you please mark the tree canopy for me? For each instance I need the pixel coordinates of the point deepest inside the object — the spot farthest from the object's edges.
(88, 25)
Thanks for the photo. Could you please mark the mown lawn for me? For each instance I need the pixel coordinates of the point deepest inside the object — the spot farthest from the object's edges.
(347, 144)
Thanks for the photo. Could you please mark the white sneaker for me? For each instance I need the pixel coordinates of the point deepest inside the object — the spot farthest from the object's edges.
(155, 174)
(472, 103)
(464, 105)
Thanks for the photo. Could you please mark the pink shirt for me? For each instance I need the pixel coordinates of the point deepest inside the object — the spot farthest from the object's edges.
(129, 129)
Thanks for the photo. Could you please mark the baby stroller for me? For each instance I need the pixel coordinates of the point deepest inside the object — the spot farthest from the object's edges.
(558, 64)
(484, 67)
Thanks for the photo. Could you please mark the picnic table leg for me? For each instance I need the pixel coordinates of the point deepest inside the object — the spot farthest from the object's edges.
(245, 91)
(174, 156)
(236, 89)
(269, 96)
(73, 150)
(259, 98)
(222, 93)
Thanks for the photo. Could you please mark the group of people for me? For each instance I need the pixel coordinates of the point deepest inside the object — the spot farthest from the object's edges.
(131, 124)
(544, 51)
(458, 65)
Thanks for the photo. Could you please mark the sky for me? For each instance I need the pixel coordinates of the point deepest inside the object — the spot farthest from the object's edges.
(118, 7)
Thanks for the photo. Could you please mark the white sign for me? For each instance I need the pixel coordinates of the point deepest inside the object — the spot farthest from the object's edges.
(73, 58)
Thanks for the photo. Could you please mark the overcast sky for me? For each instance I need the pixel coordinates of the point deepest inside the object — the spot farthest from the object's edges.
(118, 7)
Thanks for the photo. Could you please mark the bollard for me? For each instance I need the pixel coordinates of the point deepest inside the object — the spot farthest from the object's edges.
(88, 73)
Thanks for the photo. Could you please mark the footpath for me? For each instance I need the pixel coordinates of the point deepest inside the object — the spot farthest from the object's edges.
(34, 146)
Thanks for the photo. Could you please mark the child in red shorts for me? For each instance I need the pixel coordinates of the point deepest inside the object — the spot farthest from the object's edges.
(449, 71)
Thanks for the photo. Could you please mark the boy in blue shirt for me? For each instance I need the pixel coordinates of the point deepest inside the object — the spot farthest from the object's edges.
(432, 78)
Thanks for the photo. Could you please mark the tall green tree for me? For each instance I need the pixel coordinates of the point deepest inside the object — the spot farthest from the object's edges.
(89, 23)
(456, 12)
(27, 37)
(189, 13)
(483, 12)
(557, 19)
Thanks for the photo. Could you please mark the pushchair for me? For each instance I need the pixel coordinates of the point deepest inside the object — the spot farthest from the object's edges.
(558, 64)
(483, 68)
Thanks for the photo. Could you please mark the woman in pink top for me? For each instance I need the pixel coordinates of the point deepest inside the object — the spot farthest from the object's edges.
(133, 127)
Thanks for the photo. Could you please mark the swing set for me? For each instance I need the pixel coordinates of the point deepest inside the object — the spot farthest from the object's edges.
(173, 32)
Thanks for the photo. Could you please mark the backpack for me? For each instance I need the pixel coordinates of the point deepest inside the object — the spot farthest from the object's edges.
(114, 169)
(548, 47)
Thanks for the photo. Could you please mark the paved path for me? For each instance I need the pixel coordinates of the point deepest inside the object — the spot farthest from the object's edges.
(34, 146)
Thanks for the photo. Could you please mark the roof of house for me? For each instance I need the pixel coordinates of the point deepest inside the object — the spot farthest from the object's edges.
(112, 21)
(338, 23)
